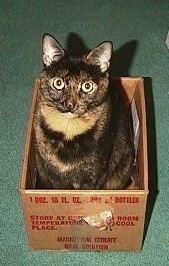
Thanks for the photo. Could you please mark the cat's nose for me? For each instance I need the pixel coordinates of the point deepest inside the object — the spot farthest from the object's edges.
(70, 105)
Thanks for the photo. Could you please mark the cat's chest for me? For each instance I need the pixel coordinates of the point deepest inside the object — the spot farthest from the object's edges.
(68, 124)
(73, 150)
(66, 156)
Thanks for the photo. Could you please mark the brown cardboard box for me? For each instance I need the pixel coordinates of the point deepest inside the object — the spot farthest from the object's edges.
(93, 220)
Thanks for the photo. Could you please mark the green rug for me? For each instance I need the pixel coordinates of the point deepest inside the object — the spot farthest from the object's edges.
(138, 30)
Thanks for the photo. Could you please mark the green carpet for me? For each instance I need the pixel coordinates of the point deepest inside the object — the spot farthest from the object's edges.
(138, 30)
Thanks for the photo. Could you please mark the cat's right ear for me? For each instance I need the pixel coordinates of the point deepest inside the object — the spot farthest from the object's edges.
(52, 50)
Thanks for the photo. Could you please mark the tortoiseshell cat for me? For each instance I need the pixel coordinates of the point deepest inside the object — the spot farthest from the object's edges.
(83, 135)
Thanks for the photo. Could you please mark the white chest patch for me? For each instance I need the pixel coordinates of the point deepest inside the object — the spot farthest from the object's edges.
(68, 123)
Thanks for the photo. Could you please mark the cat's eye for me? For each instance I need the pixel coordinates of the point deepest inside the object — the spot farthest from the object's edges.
(58, 83)
(88, 87)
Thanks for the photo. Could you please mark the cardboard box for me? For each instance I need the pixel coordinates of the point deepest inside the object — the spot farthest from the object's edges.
(95, 220)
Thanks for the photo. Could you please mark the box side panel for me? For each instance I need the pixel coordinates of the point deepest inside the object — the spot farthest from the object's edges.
(84, 221)
(28, 155)
(134, 89)
(142, 149)
(129, 85)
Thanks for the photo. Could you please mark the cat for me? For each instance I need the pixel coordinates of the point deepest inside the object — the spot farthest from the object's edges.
(83, 132)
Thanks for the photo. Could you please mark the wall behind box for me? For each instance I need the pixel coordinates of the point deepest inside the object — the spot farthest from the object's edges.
(86, 220)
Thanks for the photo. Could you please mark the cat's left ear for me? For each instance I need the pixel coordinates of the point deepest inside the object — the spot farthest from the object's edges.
(52, 50)
(101, 55)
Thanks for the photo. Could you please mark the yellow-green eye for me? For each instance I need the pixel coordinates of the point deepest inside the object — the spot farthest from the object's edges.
(88, 87)
(58, 83)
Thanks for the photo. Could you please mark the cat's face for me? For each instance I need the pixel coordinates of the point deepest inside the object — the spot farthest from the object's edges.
(74, 86)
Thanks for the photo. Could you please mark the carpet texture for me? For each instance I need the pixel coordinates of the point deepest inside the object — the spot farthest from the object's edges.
(138, 30)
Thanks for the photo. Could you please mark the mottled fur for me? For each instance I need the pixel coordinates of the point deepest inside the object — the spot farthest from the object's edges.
(83, 138)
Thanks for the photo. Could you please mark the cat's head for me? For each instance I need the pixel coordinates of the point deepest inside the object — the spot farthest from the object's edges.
(74, 85)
